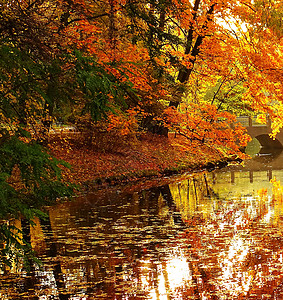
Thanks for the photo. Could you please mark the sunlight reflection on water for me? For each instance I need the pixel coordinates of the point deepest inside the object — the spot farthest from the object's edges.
(172, 274)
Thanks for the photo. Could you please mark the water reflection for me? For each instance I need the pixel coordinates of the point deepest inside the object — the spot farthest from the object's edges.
(209, 236)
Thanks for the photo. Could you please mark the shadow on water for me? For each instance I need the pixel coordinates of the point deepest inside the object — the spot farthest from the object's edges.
(34, 276)
(216, 235)
(261, 154)
(267, 155)
(101, 244)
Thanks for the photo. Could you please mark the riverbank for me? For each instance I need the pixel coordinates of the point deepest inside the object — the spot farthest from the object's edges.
(146, 157)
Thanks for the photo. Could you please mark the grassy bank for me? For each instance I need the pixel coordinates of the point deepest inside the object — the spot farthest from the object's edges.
(129, 160)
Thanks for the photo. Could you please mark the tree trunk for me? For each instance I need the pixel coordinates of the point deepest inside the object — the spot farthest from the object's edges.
(184, 72)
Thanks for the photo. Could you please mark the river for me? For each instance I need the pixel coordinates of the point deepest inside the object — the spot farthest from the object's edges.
(210, 235)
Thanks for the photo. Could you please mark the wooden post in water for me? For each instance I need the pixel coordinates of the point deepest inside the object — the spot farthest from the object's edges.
(232, 177)
(269, 174)
(251, 176)
(206, 185)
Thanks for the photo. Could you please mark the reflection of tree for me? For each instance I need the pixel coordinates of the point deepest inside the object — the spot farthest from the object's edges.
(244, 256)
(115, 273)
(200, 277)
(34, 277)
(167, 196)
(30, 280)
(124, 246)
(52, 253)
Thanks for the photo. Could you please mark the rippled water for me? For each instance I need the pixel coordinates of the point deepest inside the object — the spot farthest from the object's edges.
(207, 236)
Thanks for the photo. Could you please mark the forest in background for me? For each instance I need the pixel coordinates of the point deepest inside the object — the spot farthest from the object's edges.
(122, 72)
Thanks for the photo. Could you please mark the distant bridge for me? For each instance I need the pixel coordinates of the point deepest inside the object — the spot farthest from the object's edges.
(261, 132)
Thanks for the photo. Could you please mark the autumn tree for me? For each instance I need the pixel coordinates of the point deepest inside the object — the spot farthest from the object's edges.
(42, 76)
(233, 46)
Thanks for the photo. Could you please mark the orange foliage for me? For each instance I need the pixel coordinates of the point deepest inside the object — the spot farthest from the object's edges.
(207, 41)
(204, 124)
(123, 124)
(229, 39)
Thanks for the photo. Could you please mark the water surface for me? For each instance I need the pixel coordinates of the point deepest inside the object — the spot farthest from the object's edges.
(211, 235)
